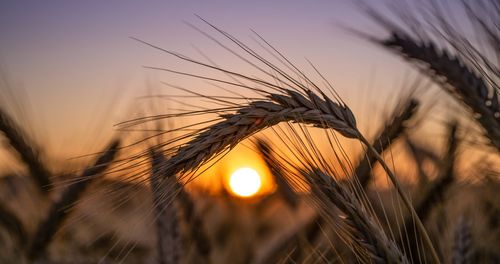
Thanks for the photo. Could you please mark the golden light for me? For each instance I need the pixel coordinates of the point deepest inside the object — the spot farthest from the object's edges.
(245, 182)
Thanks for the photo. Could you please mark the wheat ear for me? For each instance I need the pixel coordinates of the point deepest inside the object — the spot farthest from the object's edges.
(462, 252)
(195, 226)
(290, 105)
(167, 219)
(367, 232)
(391, 131)
(437, 189)
(406, 200)
(257, 115)
(26, 149)
(59, 211)
(307, 108)
(456, 78)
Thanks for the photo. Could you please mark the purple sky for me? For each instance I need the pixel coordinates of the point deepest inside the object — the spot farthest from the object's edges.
(72, 58)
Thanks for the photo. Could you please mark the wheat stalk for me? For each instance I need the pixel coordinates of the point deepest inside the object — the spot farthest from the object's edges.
(59, 211)
(419, 154)
(469, 75)
(257, 115)
(391, 131)
(433, 194)
(304, 107)
(12, 224)
(260, 114)
(167, 221)
(26, 149)
(195, 227)
(167, 214)
(284, 187)
(456, 77)
(437, 189)
(462, 248)
(367, 232)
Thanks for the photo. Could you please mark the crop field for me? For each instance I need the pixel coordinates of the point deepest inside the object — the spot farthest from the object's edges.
(272, 160)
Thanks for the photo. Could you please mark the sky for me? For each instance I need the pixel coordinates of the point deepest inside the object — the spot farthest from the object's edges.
(77, 66)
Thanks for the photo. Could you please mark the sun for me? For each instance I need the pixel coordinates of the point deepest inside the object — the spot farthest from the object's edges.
(245, 182)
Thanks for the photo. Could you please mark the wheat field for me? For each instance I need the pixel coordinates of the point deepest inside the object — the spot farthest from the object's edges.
(345, 186)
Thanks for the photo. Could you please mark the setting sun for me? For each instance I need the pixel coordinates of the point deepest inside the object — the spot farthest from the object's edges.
(245, 182)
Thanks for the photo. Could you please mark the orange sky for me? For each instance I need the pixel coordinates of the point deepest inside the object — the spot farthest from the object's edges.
(82, 73)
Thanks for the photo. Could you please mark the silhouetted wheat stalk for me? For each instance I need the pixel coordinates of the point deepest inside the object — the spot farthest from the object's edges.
(458, 78)
(196, 231)
(284, 187)
(366, 231)
(437, 189)
(12, 224)
(419, 155)
(432, 195)
(462, 247)
(391, 131)
(60, 209)
(26, 149)
(167, 219)
(469, 75)
(260, 114)
(167, 215)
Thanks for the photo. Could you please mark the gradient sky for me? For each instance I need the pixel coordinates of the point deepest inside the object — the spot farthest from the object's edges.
(73, 58)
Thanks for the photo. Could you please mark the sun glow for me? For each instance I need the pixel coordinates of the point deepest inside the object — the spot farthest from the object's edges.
(245, 182)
